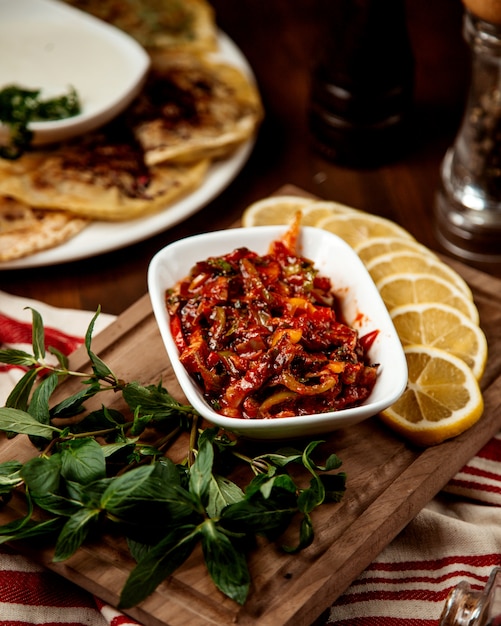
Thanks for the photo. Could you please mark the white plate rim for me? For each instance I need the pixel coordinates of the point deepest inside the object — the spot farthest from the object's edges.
(102, 237)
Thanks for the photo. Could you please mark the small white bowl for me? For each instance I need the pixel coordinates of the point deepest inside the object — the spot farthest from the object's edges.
(360, 302)
(50, 45)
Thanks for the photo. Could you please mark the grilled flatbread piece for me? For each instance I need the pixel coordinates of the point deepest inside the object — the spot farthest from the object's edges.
(159, 24)
(193, 108)
(24, 230)
(100, 177)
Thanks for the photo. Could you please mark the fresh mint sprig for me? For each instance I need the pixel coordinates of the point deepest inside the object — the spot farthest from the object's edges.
(98, 474)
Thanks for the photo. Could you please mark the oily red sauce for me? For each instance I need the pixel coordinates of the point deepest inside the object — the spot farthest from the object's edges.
(261, 336)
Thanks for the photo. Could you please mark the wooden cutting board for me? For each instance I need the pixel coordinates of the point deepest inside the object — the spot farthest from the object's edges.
(389, 481)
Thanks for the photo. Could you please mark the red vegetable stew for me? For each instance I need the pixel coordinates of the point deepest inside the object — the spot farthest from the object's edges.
(264, 338)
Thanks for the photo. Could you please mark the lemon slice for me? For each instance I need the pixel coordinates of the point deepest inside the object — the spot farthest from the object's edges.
(408, 288)
(274, 210)
(413, 261)
(329, 207)
(442, 398)
(357, 227)
(376, 246)
(316, 212)
(441, 326)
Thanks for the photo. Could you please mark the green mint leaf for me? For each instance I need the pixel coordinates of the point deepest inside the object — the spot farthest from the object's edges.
(333, 462)
(109, 449)
(222, 492)
(88, 495)
(29, 530)
(12, 356)
(20, 422)
(42, 474)
(227, 565)
(311, 498)
(62, 359)
(155, 400)
(308, 461)
(57, 505)
(144, 496)
(258, 516)
(10, 476)
(101, 419)
(101, 370)
(82, 461)
(283, 457)
(20, 395)
(39, 405)
(201, 472)
(158, 563)
(74, 404)
(74, 533)
(334, 486)
(138, 549)
(127, 487)
(38, 335)
(140, 422)
(266, 484)
(306, 536)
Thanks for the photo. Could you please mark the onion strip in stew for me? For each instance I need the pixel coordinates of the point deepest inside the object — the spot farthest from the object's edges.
(263, 336)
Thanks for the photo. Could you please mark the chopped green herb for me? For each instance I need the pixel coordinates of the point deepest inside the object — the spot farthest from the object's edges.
(19, 107)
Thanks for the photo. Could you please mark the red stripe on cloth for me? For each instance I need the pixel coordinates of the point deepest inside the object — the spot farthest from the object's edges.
(478, 471)
(19, 623)
(477, 560)
(403, 580)
(491, 450)
(117, 618)
(41, 589)
(6, 368)
(14, 331)
(394, 596)
(471, 485)
(383, 621)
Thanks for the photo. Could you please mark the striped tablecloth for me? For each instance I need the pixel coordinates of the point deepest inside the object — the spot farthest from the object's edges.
(456, 537)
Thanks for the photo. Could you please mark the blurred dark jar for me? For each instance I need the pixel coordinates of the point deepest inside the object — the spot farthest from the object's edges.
(362, 88)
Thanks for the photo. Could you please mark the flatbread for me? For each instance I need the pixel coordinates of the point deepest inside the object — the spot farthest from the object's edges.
(194, 108)
(101, 177)
(159, 24)
(24, 230)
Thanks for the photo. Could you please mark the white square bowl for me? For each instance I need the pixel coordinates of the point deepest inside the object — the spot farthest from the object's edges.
(361, 304)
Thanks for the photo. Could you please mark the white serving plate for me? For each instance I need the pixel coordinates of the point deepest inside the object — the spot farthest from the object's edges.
(49, 45)
(361, 304)
(101, 237)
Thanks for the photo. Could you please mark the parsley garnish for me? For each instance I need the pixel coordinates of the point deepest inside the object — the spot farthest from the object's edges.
(19, 107)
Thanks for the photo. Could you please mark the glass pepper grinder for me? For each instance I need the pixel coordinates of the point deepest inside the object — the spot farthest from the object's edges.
(467, 607)
(361, 94)
(468, 204)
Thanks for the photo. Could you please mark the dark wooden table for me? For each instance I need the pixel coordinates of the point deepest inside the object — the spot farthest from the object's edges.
(281, 41)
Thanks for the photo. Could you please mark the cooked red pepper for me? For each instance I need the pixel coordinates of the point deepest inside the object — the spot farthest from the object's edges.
(262, 337)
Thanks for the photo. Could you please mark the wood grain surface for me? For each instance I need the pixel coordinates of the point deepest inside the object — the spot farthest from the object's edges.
(389, 481)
